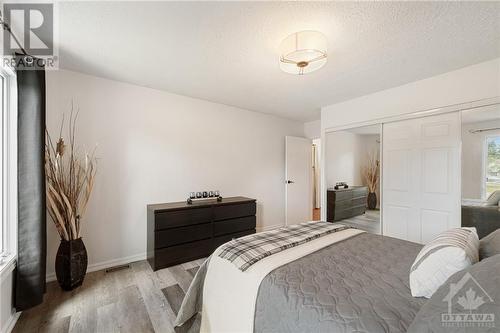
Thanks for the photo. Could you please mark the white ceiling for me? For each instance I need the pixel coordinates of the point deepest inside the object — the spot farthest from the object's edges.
(227, 52)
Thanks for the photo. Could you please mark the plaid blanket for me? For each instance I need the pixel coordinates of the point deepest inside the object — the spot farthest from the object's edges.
(246, 251)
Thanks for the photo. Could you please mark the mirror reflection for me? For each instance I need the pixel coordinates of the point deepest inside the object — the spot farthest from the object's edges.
(353, 177)
(481, 168)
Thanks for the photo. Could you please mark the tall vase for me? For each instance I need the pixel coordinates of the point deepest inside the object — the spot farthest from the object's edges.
(372, 200)
(71, 263)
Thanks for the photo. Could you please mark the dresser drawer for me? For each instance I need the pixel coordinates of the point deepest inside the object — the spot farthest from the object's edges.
(176, 218)
(344, 204)
(343, 214)
(358, 210)
(234, 225)
(174, 255)
(359, 201)
(218, 241)
(178, 232)
(341, 195)
(348, 213)
(170, 237)
(359, 192)
(233, 211)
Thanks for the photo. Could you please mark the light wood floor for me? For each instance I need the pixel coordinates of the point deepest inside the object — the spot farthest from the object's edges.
(369, 221)
(134, 300)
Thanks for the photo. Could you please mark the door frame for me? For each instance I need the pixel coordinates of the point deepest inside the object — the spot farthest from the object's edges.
(384, 120)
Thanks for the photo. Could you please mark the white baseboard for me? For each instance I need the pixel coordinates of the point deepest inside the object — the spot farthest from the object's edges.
(105, 264)
(269, 227)
(11, 322)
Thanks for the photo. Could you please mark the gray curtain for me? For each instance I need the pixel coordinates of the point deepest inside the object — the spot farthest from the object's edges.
(32, 237)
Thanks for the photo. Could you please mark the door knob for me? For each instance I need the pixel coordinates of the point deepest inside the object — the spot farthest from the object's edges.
(290, 182)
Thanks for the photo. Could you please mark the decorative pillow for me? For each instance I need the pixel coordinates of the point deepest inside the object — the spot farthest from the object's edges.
(476, 292)
(493, 199)
(448, 253)
(489, 245)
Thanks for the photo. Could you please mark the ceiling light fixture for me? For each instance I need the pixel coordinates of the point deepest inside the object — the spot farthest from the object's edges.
(303, 52)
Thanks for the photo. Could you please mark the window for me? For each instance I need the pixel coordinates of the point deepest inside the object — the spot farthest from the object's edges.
(3, 231)
(8, 166)
(3, 227)
(492, 164)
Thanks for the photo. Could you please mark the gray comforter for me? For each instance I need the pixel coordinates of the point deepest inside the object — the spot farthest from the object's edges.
(357, 285)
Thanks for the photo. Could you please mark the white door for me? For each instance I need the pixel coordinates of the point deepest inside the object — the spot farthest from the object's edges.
(298, 184)
(421, 177)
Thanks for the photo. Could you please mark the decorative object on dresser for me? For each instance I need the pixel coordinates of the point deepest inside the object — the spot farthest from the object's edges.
(179, 232)
(371, 172)
(341, 185)
(70, 179)
(200, 196)
(344, 203)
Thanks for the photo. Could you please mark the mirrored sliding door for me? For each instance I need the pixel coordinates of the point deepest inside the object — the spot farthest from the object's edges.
(481, 168)
(352, 174)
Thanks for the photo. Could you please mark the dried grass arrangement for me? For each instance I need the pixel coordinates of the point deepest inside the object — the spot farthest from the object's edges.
(69, 181)
(371, 171)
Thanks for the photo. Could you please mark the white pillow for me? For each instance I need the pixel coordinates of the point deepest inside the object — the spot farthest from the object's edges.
(448, 253)
(493, 199)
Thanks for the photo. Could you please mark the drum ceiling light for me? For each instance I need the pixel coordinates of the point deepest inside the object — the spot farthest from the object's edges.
(303, 52)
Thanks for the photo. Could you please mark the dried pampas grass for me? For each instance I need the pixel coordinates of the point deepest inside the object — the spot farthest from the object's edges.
(371, 171)
(69, 179)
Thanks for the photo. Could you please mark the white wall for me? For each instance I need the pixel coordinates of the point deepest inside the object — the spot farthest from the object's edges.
(312, 129)
(344, 158)
(155, 147)
(473, 148)
(468, 84)
(370, 144)
(346, 154)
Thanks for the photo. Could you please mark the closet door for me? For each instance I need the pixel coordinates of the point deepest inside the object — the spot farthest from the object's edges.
(399, 185)
(421, 177)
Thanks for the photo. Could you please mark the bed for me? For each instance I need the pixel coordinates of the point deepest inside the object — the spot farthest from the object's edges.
(348, 281)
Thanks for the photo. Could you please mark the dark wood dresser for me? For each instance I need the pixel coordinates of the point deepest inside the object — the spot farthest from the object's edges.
(178, 232)
(344, 203)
